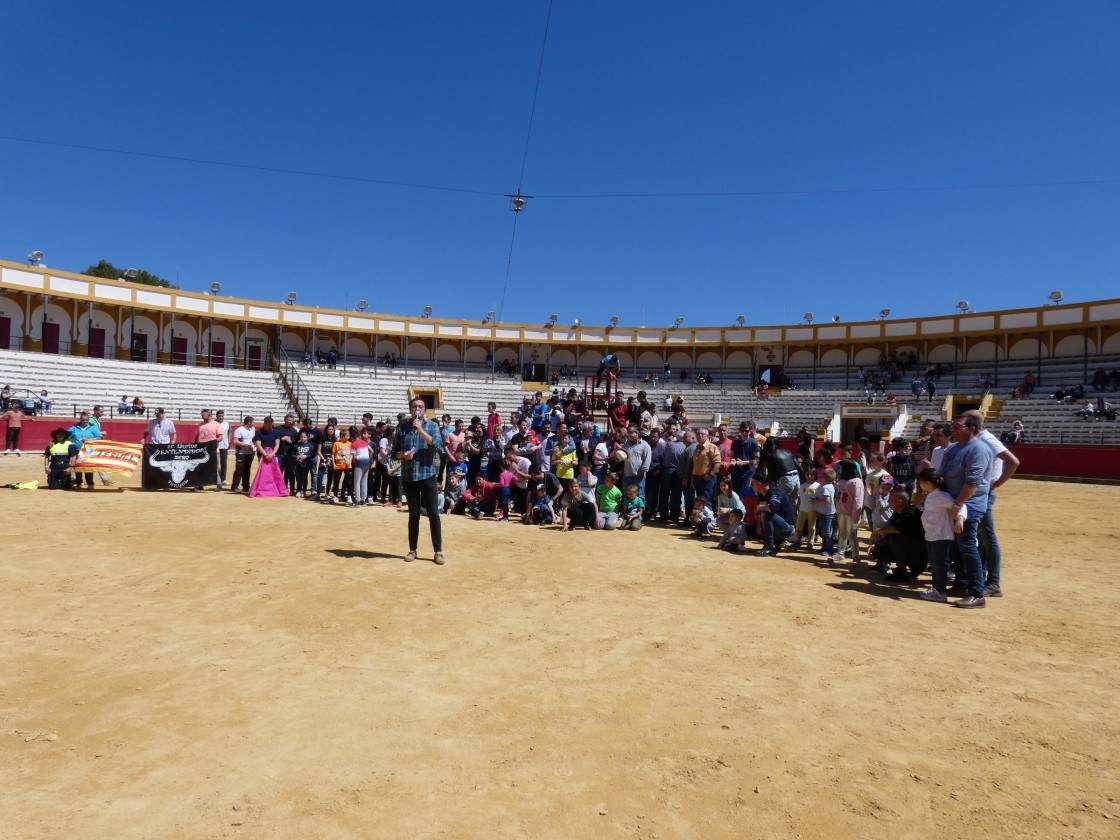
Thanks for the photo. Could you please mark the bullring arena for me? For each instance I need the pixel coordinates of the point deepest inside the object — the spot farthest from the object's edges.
(199, 665)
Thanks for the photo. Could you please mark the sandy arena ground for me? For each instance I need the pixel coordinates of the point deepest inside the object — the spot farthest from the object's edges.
(180, 665)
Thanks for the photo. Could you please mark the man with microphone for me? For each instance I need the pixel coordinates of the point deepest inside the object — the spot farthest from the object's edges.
(418, 446)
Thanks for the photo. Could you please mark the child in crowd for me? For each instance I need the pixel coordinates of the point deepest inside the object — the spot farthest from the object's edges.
(702, 518)
(824, 462)
(58, 460)
(902, 464)
(633, 509)
(506, 479)
(849, 511)
(482, 497)
(749, 496)
(341, 456)
(453, 494)
(876, 469)
(542, 512)
(577, 507)
(941, 528)
(304, 452)
(735, 534)
(727, 500)
(610, 502)
(361, 462)
(806, 514)
(824, 503)
(880, 503)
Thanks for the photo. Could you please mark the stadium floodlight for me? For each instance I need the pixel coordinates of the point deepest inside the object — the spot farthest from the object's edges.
(808, 317)
(677, 322)
(489, 316)
(35, 257)
(577, 322)
(614, 320)
(884, 312)
(962, 305)
(131, 274)
(427, 313)
(363, 305)
(215, 287)
(836, 319)
(1056, 297)
(291, 298)
(552, 319)
(741, 320)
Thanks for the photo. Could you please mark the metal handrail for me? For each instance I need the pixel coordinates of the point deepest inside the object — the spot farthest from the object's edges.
(288, 371)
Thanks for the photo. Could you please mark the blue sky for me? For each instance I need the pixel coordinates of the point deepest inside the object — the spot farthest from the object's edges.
(819, 111)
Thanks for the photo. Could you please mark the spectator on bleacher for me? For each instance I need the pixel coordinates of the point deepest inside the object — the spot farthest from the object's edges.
(916, 387)
(1100, 379)
(1114, 378)
(14, 416)
(137, 405)
(1105, 411)
(79, 433)
(244, 451)
(45, 402)
(5, 398)
(1015, 435)
(123, 407)
(1086, 411)
(1028, 384)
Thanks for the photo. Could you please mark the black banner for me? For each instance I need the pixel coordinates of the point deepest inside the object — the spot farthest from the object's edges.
(170, 466)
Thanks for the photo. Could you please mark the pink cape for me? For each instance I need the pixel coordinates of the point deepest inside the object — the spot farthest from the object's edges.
(269, 482)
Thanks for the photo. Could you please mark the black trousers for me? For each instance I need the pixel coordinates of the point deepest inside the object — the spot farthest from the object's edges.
(243, 466)
(424, 493)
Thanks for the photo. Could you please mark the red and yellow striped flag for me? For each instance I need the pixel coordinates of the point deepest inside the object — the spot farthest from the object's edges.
(109, 456)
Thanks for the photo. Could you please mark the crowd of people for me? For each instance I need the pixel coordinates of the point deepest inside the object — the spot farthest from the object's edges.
(924, 503)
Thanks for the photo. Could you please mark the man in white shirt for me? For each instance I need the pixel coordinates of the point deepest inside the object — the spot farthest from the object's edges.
(159, 430)
(223, 448)
(244, 452)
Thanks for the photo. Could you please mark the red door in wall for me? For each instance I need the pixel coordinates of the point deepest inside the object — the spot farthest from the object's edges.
(178, 350)
(96, 343)
(217, 354)
(253, 355)
(50, 337)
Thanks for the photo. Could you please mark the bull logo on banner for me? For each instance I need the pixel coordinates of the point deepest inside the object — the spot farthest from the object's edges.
(178, 465)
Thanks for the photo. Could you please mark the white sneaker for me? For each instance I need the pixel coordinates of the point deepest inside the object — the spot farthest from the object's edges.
(6, 451)
(19, 453)
(932, 594)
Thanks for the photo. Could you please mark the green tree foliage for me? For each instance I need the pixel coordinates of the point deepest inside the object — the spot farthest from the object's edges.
(108, 270)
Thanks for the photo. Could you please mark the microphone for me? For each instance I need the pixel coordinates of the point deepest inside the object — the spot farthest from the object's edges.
(418, 413)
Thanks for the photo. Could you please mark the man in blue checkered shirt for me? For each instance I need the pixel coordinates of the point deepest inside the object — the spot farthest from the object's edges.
(419, 446)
